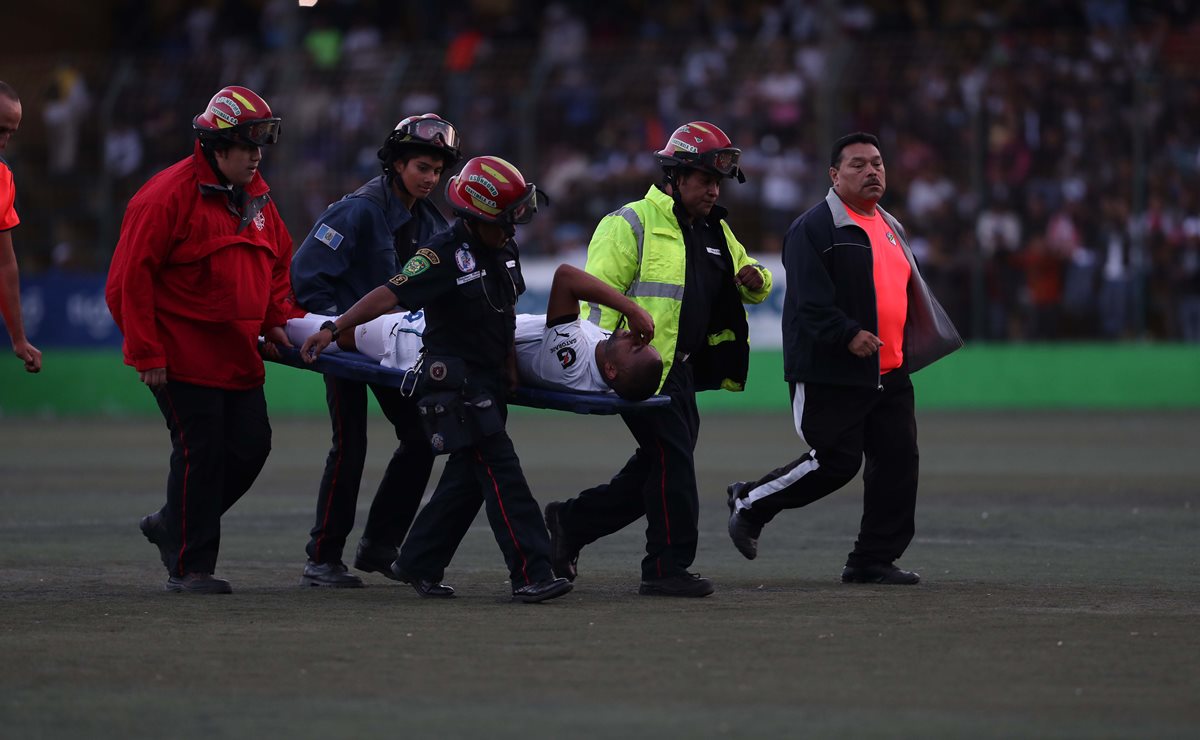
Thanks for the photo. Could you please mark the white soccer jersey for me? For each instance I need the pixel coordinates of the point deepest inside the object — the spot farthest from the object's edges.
(561, 357)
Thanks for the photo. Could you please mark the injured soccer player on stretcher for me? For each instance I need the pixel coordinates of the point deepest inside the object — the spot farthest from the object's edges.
(555, 350)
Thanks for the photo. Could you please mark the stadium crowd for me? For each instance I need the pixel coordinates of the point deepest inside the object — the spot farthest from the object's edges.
(1041, 155)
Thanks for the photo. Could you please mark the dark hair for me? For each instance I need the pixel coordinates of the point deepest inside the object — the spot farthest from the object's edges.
(394, 151)
(7, 91)
(858, 137)
(408, 151)
(637, 381)
(214, 144)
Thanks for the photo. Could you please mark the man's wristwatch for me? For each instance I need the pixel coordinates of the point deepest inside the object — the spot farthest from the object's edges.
(331, 328)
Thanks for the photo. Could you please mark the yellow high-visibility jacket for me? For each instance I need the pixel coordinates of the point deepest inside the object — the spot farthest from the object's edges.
(639, 250)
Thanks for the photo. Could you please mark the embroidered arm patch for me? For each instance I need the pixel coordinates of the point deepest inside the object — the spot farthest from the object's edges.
(331, 238)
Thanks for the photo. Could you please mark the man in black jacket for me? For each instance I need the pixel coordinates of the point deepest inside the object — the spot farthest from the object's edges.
(857, 320)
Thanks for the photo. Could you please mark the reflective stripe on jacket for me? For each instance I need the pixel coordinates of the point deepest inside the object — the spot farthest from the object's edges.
(639, 250)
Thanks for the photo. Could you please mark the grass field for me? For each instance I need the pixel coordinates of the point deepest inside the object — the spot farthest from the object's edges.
(1060, 599)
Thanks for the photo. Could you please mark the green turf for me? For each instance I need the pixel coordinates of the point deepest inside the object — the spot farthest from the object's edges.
(980, 376)
(1060, 599)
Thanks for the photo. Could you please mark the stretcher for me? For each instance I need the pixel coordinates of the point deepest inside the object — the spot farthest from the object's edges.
(356, 366)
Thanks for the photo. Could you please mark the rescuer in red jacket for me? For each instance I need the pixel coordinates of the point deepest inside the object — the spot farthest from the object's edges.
(199, 273)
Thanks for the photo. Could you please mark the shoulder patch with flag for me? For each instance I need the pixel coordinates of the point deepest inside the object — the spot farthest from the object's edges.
(331, 238)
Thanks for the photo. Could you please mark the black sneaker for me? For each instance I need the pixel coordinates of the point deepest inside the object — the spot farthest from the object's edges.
(564, 557)
(543, 591)
(681, 584)
(884, 573)
(154, 531)
(371, 558)
(742, 530)
(198, 583)
(329, 575)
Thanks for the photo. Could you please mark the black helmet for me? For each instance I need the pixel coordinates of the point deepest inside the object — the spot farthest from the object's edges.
(429, 132)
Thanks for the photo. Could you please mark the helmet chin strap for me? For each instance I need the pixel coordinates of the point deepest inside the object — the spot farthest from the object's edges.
(211, 157)
(397, 182)
(669, 181)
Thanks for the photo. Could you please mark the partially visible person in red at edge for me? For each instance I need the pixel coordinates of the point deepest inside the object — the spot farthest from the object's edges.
(10, 284)
(199, 273)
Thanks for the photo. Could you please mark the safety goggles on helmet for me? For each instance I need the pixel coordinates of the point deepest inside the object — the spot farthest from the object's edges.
(431, 130)
(724, 161)
(237, 115)
(258, 133)
(523, 210)
(701, 145)
(493, 191)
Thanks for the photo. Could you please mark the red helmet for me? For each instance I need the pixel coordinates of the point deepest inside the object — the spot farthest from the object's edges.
(492, 190)
(429, 131)
(703, 146)
(237, 115)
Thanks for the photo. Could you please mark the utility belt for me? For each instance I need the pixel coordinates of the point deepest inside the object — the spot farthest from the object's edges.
(454, 415)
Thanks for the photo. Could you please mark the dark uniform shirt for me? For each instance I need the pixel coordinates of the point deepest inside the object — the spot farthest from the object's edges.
(408, 238)
(469, 293)
(359, 242)
(708, 264)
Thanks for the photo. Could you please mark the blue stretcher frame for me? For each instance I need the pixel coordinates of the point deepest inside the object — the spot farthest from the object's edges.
(356, 366)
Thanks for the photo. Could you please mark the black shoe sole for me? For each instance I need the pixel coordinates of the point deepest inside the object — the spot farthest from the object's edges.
(648, 590)
(432, 595)
(148, 531)
(749, 550)
(307, 582)
(747, 546)
(179, 589)
(552, 593)
(883, 580)
(367, 566)
(416, 586)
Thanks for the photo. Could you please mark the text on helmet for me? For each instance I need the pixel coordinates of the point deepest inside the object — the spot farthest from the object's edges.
(680, 144)
(233, 106)
(481, 199)
(485, 183)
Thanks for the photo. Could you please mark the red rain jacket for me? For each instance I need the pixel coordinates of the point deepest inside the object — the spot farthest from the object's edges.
(192, 284)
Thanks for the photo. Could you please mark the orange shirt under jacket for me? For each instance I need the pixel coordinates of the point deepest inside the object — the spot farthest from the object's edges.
(8, 196)
(891, 272)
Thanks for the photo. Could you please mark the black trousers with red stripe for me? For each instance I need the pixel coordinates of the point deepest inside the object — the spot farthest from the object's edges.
(401, 488)
(220, 440)
(658, 482)
(842, 424)
(487, 474)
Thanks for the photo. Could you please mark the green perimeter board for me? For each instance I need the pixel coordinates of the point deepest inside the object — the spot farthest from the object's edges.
(1097, 376)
